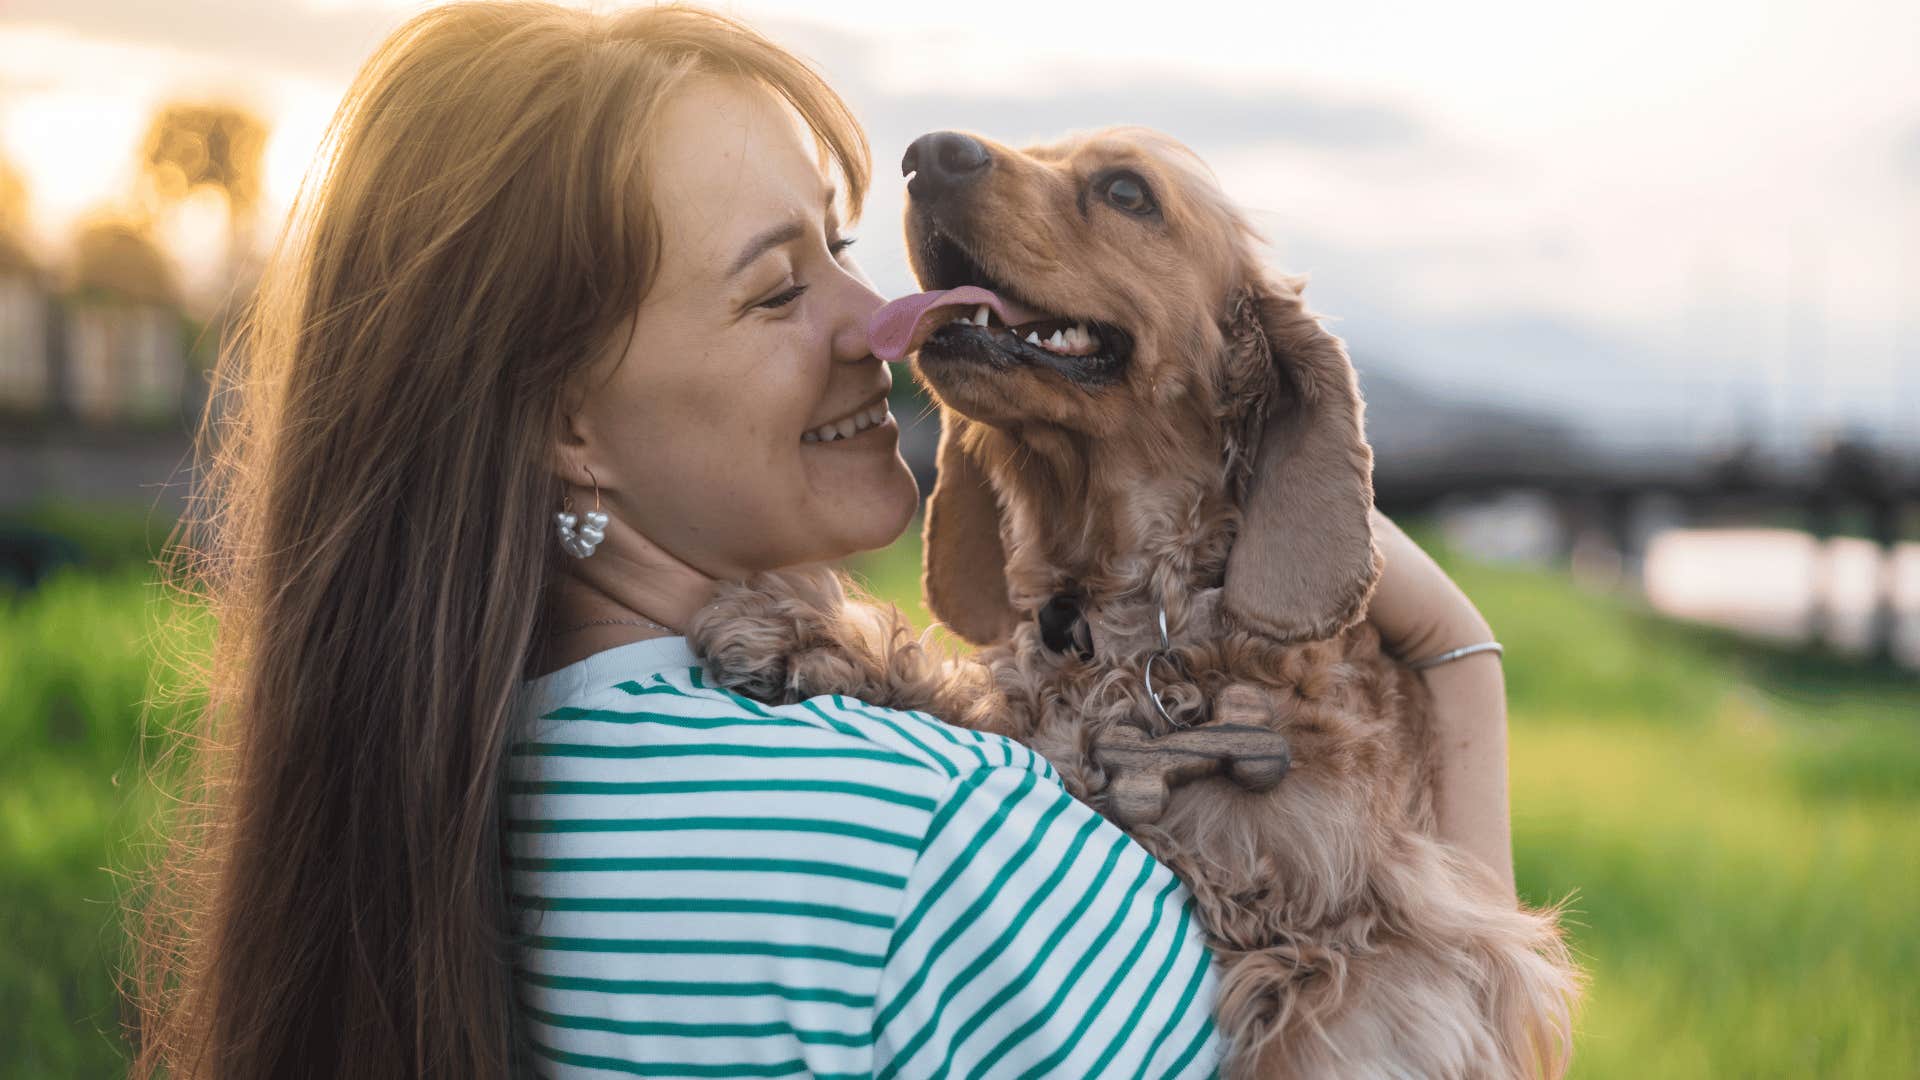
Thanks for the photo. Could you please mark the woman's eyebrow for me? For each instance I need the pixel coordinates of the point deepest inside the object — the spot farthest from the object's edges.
(773, 237)
(766, 241)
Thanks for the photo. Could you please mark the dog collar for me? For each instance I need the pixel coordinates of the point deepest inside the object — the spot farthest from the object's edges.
(1062, 621)
(1063, 626)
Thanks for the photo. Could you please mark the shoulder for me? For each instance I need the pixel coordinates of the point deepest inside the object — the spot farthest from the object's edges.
(677, 711)
(957, 903)
(663, 752)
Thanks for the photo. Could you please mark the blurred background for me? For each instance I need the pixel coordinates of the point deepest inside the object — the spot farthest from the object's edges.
(1631, 287)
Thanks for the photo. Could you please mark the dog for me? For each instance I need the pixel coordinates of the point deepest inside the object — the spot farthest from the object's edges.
(1153, 516)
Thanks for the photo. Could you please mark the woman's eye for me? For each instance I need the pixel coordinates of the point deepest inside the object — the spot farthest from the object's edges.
(782, 299)
(1129, 193)
(789, 295)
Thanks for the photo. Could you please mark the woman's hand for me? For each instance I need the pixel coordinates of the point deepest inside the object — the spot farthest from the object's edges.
(1419, 613)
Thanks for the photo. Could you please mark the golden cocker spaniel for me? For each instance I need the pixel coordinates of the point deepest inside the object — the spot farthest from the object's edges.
(1153, 518)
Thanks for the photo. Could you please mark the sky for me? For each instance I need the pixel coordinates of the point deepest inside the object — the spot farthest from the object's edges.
(1667, 223)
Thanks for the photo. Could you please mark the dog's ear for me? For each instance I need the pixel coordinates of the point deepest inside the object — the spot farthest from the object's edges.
(965, 563)
(1304, 563)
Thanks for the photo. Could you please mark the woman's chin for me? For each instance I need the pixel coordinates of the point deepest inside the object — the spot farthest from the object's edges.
(881, 511)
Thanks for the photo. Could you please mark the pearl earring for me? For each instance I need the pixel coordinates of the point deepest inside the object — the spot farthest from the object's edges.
(581, 543)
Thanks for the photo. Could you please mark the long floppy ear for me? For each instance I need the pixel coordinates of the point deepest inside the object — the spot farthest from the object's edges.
(965, 563)
(1304, 563)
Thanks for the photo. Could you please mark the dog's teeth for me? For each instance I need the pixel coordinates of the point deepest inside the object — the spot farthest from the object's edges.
(1033, 337)
(980, 315)
(1057, 341)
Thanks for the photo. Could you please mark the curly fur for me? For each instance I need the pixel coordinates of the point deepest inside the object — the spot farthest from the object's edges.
(1352, 942)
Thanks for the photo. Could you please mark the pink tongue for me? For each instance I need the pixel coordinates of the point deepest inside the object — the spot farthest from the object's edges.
(898, 328)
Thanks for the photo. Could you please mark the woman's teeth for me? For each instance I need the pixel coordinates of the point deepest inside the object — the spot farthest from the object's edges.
(847, 426)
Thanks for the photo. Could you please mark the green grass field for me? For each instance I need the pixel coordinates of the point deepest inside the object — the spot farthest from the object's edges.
(1739, 829)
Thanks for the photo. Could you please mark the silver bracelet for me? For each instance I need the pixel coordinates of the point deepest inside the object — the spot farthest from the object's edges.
(1454, 654)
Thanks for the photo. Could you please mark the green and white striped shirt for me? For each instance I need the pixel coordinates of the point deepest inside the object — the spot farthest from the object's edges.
(711, 887)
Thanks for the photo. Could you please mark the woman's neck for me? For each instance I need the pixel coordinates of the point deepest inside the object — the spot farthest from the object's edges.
(625, 592)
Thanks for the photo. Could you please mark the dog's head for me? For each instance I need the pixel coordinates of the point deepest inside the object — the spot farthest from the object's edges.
(1136, 380)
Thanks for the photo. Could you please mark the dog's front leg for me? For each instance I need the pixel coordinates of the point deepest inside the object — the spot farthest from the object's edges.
(789, 635)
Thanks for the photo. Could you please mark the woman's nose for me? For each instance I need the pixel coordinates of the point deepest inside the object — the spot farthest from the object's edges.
(856, 301)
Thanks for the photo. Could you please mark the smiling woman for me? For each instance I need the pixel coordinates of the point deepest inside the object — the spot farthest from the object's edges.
(467, 804)
(707, 428)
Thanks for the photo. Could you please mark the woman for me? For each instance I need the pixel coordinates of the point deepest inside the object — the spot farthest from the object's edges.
(468, 807)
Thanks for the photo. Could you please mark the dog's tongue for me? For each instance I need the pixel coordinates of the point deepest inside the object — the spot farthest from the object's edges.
(898, 328)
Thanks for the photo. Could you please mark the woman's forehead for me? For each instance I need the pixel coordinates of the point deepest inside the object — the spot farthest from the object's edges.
(730, 161)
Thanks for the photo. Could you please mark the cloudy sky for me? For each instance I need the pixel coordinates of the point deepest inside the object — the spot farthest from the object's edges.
(1666, 220)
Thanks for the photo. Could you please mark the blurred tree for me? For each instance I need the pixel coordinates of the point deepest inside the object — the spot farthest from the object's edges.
(192, 145)
(13, 201)
(15, 258)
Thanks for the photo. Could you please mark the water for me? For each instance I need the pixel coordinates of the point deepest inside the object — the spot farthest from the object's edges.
(1759, 581)
(1765, 582)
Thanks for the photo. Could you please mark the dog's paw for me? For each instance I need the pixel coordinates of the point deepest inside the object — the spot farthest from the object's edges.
(753, 637)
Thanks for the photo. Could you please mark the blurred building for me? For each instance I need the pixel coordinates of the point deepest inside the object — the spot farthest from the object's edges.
(26, 368)
(95, 399)
(125, 357)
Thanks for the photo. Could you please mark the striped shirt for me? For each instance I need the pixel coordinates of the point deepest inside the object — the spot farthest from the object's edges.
(711, 887)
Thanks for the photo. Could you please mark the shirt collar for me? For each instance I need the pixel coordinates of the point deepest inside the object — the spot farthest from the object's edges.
(634, 660)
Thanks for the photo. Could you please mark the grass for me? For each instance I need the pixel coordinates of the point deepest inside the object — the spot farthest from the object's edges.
(1738, 828)
(74, 670)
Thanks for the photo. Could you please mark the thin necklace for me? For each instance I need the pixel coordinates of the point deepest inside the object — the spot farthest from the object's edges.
(641, 621)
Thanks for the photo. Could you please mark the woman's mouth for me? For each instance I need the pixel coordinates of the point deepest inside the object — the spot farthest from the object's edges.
(865, 418)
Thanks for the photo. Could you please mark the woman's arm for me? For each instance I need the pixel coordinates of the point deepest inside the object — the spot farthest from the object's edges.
(1420, 612)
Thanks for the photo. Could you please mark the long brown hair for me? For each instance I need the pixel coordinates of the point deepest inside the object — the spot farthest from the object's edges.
(374, 535)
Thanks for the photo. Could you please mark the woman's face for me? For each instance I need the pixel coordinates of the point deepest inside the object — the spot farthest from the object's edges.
(726, 431)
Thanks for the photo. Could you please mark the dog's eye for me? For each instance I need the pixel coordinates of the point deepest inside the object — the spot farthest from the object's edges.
(1128, 192)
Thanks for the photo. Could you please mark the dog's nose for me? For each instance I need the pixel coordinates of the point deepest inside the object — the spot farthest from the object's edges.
(942, 162)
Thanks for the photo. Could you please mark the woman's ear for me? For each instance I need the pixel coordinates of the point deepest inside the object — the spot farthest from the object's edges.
(569, 448)
(965, 564)
(1303, 564)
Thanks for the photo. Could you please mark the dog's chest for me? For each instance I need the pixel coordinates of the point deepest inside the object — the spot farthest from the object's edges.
(1352, 698)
